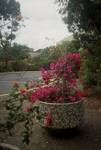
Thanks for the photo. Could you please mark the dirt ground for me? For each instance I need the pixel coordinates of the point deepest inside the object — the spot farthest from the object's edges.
(87, 137)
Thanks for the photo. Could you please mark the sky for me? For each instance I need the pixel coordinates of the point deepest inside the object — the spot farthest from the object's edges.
(43, 24)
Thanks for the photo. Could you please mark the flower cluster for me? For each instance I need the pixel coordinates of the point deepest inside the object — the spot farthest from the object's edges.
(47, 93)
(59, 84)
(60, 81)
(46, 75)
(48, 119)
(67, 67)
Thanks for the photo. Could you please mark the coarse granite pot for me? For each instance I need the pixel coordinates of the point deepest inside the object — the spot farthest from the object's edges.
(63, 115)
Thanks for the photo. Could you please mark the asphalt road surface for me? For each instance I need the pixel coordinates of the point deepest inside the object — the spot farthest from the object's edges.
(7, 78)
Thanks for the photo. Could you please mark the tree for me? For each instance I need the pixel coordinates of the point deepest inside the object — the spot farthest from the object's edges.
(20, 56)
(20, 52)
(10, 17)
(83, 18)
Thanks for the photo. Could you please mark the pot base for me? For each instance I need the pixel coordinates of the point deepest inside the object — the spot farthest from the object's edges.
(63, 133)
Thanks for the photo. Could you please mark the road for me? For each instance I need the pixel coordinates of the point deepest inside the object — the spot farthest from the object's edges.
(7, 78)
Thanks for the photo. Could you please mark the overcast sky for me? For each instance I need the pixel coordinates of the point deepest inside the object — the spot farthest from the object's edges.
(44, 25)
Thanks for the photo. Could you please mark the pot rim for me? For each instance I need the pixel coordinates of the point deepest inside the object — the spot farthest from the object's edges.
(70, 103)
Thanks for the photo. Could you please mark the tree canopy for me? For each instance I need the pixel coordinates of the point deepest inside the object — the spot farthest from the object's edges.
(83, 18)
(20, 52)
(10, 16)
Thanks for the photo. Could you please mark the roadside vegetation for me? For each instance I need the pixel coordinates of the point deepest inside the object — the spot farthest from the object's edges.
(85, 26)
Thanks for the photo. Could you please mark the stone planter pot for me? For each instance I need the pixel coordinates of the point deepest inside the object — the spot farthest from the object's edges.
(64, 115)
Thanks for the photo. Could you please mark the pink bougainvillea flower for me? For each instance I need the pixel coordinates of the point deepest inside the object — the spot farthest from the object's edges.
(81, 94)
(60, 99)
(23, 91)
(48, 120)
(73, 82)
(72, 98)
(46, 75)
(33, 98)
(47, 93)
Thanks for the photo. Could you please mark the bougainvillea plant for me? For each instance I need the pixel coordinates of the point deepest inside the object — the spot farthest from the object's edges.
(59, 84)
(60, 81)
